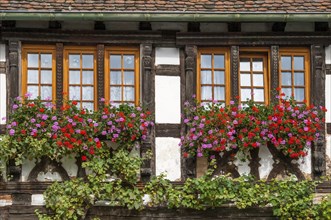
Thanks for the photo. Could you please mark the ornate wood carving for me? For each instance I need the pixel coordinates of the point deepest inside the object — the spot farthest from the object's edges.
(274, 71)
(148, 93)
(234, 59)
(282, 164)
(59, 75)
(225, 164)
(47, 165)
(318, 99)
(255, 163)
(100, 73)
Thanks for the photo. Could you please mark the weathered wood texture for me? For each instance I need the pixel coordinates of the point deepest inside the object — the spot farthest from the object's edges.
(234, 59)
(100, 73)
(168, 130)
(274, 72)
(59, 75)
(328, 128)
(167, 70)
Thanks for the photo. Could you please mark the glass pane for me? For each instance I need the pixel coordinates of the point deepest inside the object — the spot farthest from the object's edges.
(206, 93)
(205, 61)
(88, 77)
(46, 92)
(33, 76)
(74, 92)
(259, 95)
(87, 93)
(46, 60)
(219, 77)
(245, 79)
(219, 93)
(286, 78)
(128, 94)
(33, 60)
(33, 90)
(287, 92)
(257, 64)
(74, 61)
(128, 77)
(115, 78)
(219, 61)
(206, 77)
(115, 61)
(299, 79)
(245, 64)
(128, 61)
(245, 94)
(88, 105)
(299, 94)
(115, 93)
(286, 63)
(46, 77)
(298, 63)
(88, 61)
(74, 77)
(258, 79)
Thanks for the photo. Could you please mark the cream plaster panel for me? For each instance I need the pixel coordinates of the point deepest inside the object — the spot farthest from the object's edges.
(167, 99)
(328, 98)
(328, 55)
(165, 55)
(266, 162)
(37, 199)
(3, 98)
(167, 157)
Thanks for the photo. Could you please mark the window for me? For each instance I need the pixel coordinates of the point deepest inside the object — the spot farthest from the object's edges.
(122, 75)
(80, 76)
(213, 75)
(253, 77)
(294, 73)
(38, 72)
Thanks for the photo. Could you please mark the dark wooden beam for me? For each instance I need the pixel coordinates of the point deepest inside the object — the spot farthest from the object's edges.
(322, 26)
(279, 27)
(234, 26)
(100, 73)
(145, 26)
(167, 70)
(234, 60)
(8, 24)
(167, 130)
(59, 75)
(54, 25)
(193, 26)
(99, 25)
(274, 68)
(328, 128)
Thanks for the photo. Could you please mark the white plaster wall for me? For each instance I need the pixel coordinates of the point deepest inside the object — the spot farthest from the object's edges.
(116, 26)
(266, 162)
(167, 157)
(213, 27)
(164, 55)
(328, 145)
(300, 26)
(256, 27)
(176, 26)
(2, 52)
(328, 98)
(27, 166)
(37, 199)
(3, 98)
(242, 166)
(328, 55)
(167, 99)
(305, 163)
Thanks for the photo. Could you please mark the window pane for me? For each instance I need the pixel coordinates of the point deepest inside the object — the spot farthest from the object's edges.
(74, 77)
(33, 90)
(206, 93)
(74, 61)
(33, 76)
(245, 94)
(259, 95)
(205, 61)
(245, 79)
(128, 61)
(88, 61)
(46, 92)
(88, 77)
(219, 93)
(88, 105)
(128, 94)
(258, 79)
(219, 77)
(245, 64)
(219, 61)
(33, 60)
(115, 78)
(299, 79)
(286, 78)
(286, 63)
(87, 93)
(257, 64)
(206, 77)
(74, 92)
(115, 93)
(298, 63)
(46, 77)
(46, 60)
(299, 94)
(128, 77)
(115, 61)
(287, 92)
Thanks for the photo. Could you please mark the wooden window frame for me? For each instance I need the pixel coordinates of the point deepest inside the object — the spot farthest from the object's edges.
(259, 52)
(79, 50)
(38, 49)
(122, 51)
(227, 80)
(305, 52)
